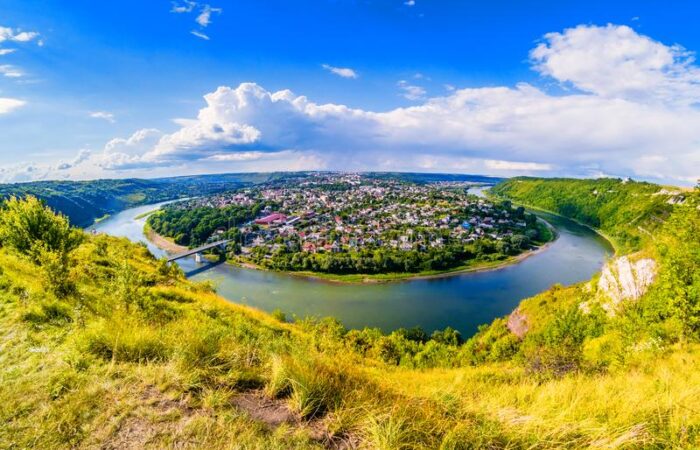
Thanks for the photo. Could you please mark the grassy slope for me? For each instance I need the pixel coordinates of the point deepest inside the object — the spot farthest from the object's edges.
(139, 357)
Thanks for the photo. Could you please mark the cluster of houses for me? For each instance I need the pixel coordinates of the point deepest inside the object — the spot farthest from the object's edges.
(347, 212)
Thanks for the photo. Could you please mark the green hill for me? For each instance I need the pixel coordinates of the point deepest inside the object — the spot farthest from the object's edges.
(628, 211)
(102, 346)
(85, 201)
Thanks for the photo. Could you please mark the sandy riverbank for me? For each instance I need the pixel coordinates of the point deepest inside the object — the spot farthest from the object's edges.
(162, 242)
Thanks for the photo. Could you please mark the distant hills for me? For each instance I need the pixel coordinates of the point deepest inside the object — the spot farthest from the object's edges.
(85, 201)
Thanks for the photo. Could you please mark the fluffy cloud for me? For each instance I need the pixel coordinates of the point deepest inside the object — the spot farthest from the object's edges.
(607, 124)
(411, 92)
(30, 171)
(127, 153)
(10, 104)
(500, 130)
(83, 155)
(9, 34)
(344, 72)
(617, 62)
(104, 115)
(21, 172)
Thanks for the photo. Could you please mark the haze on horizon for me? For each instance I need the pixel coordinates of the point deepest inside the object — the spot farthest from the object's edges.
(123, 89)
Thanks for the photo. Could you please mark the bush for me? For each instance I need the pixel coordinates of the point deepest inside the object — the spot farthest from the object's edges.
(31, 228)
(56, 268)
(279, 315)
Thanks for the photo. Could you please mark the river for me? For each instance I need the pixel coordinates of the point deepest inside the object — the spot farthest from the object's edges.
(462, 301)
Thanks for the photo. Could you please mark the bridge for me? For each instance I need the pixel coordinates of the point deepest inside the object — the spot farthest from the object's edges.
(198, 251)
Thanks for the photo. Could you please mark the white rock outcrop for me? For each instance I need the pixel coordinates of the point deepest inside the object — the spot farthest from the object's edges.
(625, 280)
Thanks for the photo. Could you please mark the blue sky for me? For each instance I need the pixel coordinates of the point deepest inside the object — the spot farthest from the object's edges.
(115, 89)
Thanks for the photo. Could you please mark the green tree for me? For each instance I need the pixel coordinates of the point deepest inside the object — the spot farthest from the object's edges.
(32, 228)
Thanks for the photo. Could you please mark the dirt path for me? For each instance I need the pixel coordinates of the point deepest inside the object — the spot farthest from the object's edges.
(158, 416)
(276, 412)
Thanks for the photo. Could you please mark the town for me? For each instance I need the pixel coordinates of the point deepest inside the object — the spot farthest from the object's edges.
(360, 216)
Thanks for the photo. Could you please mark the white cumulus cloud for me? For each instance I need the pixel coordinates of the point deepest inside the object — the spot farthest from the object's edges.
(616, 62)
(605, 124)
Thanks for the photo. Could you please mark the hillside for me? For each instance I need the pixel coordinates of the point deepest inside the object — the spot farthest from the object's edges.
(629, 212)
(85, 201)
(104, 347)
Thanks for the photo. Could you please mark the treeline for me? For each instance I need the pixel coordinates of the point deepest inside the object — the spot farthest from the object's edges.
(383, 260)
(628, 211)
(193, 226)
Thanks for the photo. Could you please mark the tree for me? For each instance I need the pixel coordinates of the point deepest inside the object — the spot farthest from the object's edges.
(33, 229)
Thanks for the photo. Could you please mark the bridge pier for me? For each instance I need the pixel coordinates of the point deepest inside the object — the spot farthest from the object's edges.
(198, 258)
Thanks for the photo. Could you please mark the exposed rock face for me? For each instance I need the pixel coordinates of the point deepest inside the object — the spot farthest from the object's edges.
(623, 280)
(517, 323)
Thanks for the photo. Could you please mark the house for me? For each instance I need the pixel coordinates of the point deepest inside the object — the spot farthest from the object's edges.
(309, 247)
(436, 243)
(271, 218)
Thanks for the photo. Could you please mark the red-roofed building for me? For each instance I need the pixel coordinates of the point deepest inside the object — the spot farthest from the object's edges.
(272, 218)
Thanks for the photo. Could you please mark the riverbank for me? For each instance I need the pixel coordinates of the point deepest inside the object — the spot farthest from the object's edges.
(476, 267)
(615, 245)
(162, 242)
(168, 245)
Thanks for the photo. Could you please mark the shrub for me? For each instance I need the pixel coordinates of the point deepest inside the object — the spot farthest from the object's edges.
(30, 227)
(56, 269)
(279, 315)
